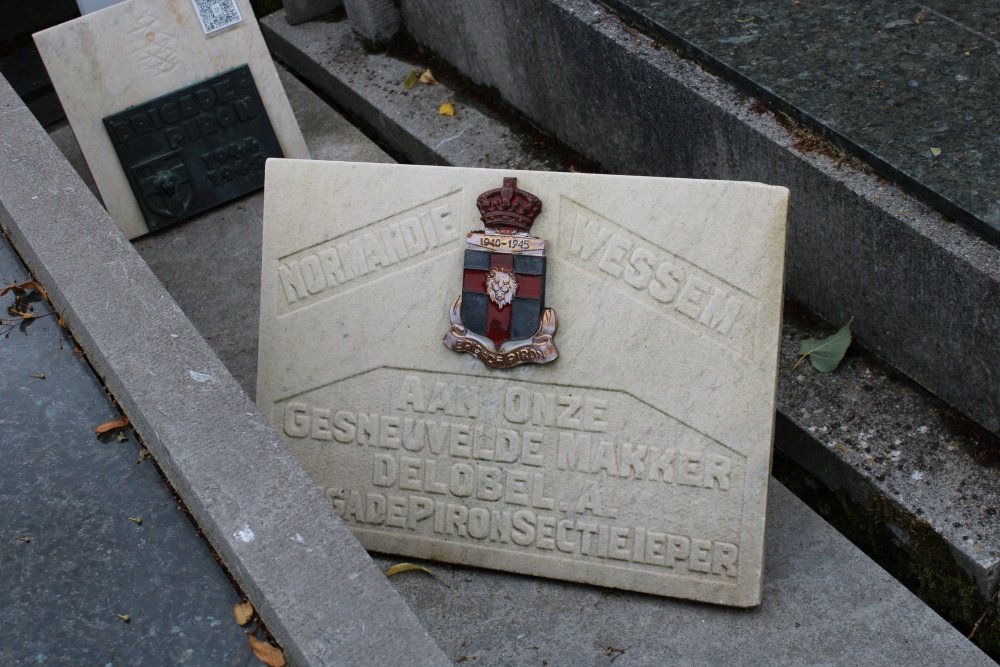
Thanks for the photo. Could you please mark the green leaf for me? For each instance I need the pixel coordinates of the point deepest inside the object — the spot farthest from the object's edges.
(406, 567)
(825, 354)
(411, 79)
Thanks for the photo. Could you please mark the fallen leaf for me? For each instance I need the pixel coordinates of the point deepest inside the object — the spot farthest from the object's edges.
(40, 376)
(136, 519)
(825, 354)
(31, 284)
(143, 454)
(407, 567)
(447, 109)
(24, 539)
(243, 612)
(124, 617)
(428, 78)
(111, 425)
(22, 315)
(267, 653)
(411, 79)
(935, 152)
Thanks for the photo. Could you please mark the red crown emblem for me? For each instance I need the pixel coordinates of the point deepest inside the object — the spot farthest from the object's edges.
(509, 209)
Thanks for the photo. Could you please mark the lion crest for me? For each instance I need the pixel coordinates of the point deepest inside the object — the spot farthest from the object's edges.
(501, 287)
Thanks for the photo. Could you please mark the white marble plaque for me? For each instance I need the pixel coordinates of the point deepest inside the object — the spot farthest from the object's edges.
(138, 50)
(639, 459)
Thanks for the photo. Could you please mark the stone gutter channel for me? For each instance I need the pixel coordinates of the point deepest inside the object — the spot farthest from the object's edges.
(907, 477)
(888, 463)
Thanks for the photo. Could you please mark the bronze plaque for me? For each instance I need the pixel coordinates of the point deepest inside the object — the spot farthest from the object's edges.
(194, 148)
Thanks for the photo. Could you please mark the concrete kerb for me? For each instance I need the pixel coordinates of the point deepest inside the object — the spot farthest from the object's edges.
(925, 292)
(315, 587)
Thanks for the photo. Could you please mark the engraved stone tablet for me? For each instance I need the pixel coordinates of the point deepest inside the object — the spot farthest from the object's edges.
(194, 148)
(639, 458)
(122, 59)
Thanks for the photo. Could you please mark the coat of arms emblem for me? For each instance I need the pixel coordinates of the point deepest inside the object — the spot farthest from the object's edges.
(501, 317)
(165, 184)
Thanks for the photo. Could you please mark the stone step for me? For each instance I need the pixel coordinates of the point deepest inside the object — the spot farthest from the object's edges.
(907, 476)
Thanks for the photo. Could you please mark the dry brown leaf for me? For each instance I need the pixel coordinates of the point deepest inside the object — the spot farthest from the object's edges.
(447, 109)
(267, 653)
(243, 612)
(428, 78)
(407, 567)
(31, 284)
(111, 425)
(25, 316)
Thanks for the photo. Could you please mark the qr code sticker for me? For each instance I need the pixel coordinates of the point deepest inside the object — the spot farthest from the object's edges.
(216, 15)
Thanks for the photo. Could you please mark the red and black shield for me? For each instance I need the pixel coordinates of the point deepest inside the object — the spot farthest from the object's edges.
(502, 317)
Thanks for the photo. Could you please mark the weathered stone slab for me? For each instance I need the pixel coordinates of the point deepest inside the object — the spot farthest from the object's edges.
(134, 52)
(638, 459)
